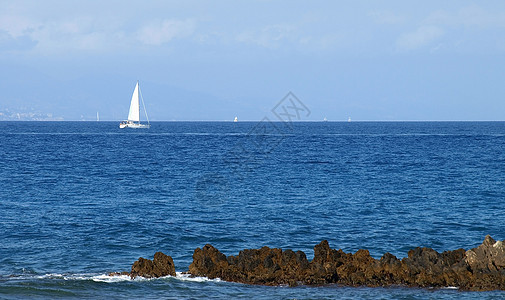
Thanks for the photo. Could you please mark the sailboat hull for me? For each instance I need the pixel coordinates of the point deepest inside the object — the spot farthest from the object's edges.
(133, 125)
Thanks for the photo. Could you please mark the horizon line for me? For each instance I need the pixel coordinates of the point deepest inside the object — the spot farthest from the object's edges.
(248, 121)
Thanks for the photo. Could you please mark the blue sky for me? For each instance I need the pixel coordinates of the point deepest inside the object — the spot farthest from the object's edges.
(214, 60)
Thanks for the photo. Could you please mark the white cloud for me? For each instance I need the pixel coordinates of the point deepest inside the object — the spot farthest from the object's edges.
(471, 16)
(269, 36)
(163, 31)
(465, 29)
(17, 26)
(82, 34)
(423, 36)
(86, 33)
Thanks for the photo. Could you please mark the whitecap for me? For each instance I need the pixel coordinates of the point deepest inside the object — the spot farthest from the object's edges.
(111, 278)
(107, 278)
(50, 276)
(188, 277)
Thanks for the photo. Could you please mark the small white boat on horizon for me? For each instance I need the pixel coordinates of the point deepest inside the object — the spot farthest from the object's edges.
(134, 113)
(235, 120)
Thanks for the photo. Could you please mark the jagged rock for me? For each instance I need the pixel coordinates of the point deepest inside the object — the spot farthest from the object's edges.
(208, 262)
(487, 265)
(488, 257)
(357, 270)
(389, 270)
(428, 268)
(161, 265)
(325, 263)
(256, 266)
(481, 268)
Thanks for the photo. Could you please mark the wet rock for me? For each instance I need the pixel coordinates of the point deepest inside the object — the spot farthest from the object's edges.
(426, 267)
(161, 265)
(488, 257)
(481, 268)
(256, 266)
(325, 263)
(208, 262)
(389, 270)
(487, 265)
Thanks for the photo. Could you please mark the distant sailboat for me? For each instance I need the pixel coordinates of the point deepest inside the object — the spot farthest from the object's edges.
(325, 120)
(134, 113)
(97, 117)
(349, 120)
(235, 120)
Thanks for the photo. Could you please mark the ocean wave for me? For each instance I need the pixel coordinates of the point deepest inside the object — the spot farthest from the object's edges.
(188, 277)
(108, 278)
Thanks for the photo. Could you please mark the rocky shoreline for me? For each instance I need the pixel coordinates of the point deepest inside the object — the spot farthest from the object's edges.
(478, 269)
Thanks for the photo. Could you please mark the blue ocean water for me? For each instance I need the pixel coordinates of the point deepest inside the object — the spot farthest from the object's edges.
(81, 199)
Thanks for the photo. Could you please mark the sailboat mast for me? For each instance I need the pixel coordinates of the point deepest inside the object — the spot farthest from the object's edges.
(144, 105)
(138, 84)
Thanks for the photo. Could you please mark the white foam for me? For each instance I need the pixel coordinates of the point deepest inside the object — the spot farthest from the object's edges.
(117, 278)
(50, 276)
(188, 277)
(94, 277)
(110, 279)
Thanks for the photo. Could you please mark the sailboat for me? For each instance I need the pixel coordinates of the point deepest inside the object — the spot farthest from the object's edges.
(134, 113)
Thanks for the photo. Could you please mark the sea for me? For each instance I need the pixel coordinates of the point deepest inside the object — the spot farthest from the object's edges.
(81, 199)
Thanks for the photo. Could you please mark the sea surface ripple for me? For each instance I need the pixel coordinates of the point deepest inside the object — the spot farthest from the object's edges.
(81, 199)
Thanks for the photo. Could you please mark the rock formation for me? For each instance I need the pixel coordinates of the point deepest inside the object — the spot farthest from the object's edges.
(481, 268)
(478, 269)
(161, 265)
(258, 266)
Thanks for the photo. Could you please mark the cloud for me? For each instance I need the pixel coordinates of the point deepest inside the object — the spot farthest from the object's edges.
(81, 34)
(467, 28)
(269, 36)
(86, 33)
(15, 43)
(163, 31)
(17, 26)
(471, 16)
(423, 36)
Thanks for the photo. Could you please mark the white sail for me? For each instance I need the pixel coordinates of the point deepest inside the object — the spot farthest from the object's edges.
(134, 114)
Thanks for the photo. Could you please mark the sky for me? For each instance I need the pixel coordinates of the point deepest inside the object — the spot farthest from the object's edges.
(214, 60)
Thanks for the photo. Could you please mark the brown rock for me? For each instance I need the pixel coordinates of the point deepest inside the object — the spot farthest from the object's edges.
(481, 268)
(325, 263)
(161, 265)
(208, 262)
(488, 257)
(256, 266)
(487, 265)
